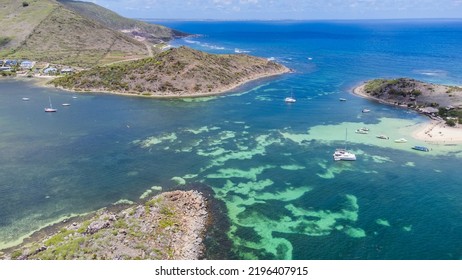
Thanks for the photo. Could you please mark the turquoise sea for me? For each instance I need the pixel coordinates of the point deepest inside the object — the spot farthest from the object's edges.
(269, 164)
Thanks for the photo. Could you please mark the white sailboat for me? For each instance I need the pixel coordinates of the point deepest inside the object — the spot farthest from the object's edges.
(290, 99)
(343, 154)
(50, 109)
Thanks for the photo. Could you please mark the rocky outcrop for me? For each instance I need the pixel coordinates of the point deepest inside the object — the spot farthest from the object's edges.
(169, 226)
(411, 93)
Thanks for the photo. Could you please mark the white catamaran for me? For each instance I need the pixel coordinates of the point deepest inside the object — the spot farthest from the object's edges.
(343, 154)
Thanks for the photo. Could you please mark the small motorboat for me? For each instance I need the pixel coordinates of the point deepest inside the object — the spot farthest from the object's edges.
(366, 110)
(25, 99)
(66, 104)
(421, 148)
(383, 137)
(400, 140)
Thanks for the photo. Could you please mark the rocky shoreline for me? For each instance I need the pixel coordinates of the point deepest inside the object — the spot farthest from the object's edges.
(170, 226)
(410, 93)
(441, 103)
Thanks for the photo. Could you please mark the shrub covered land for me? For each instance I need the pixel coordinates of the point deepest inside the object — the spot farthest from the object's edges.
(175, 72)
(447, 100)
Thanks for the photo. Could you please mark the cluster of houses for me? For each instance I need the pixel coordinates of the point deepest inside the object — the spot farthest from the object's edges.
(50, 70)
(33, 66)
(10, 64)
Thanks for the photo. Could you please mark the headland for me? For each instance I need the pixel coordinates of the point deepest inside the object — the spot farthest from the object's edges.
(179, 72)
(441, 103)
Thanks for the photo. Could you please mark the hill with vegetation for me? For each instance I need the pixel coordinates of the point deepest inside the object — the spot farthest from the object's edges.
(70, 33)
(18, 20)
(432, 99)
(142, 30)
(173, 73)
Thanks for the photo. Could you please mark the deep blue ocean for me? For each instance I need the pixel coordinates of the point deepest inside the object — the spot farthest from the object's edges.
(269, 164)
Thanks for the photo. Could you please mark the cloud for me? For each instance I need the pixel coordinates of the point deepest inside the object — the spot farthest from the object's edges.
(222, 2)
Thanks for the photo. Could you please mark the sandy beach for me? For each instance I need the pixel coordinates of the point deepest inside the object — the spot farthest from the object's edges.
(432, 131)
(437, 132)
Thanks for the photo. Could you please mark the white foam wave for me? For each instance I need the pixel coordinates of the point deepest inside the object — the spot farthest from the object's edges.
(204, 45)
(191, 41)
(236, 50)
(430, 72)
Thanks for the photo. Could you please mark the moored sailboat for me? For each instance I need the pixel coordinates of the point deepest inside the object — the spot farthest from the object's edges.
(290, 99)
(50, 109)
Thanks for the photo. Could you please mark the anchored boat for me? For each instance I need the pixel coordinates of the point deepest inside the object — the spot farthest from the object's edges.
(50, 109)
(421, 148)
(343, 154)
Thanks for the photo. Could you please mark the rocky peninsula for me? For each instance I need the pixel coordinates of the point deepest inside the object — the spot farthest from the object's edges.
(443, 104)
(169, 226)
(177, 72)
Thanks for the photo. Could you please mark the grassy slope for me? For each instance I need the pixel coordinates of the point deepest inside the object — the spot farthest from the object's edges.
(52, 33)
(17, 21)
(177, 71)
(152, 32)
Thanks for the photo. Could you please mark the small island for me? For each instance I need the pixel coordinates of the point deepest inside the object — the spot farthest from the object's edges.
(443, 104)
(169, 226)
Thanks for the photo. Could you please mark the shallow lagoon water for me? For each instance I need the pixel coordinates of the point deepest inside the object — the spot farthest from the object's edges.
(270, 163)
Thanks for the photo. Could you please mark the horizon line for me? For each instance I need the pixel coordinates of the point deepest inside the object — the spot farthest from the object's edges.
(326, 19)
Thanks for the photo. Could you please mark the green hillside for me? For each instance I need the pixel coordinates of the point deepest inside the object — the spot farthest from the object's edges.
(152, 32)
(176, 72)
(18, 20)
(49, 31)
